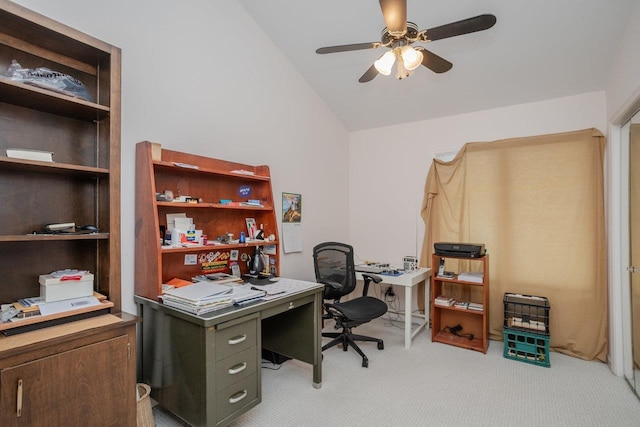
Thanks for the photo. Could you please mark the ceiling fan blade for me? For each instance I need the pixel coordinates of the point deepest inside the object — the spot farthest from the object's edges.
(466, 26)
(369, 75)
(348, 47)
(395, 16)
(434, 62)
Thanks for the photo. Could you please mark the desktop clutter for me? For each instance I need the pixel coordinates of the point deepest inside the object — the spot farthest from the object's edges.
(61, 291)
(211, 292)
(410, 263)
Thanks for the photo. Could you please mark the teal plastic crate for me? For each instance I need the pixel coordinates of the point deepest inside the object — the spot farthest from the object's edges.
(526, 347)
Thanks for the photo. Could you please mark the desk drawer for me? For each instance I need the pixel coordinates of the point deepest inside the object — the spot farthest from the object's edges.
(236, 367)
(285, 306)
(236, 398)
(234, 338)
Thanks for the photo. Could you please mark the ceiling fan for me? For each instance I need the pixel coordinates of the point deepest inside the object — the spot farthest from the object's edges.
(399, 35)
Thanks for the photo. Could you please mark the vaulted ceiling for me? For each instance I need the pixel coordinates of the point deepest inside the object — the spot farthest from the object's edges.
(537, 50)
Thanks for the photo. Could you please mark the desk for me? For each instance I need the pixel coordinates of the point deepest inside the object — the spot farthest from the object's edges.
(409, 281)
(207, 369)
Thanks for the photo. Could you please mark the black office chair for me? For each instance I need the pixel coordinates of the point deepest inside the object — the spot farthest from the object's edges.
(335, 269)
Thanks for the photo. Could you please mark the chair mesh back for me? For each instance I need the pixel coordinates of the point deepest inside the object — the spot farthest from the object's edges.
(334, 261)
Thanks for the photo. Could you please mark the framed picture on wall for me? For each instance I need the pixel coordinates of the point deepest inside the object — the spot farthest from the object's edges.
(291, 207)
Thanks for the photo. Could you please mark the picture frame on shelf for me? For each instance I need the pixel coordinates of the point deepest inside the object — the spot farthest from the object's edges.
(252, 228)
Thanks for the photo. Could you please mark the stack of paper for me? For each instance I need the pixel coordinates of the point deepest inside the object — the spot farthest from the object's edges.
(444, 300)
(245, 294)
(476, 306)
(471, 277)
(199, 298)
(217, 278)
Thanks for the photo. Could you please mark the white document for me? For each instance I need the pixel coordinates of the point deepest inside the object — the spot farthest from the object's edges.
(171, 220)
(243, 293)
(67, 305)
(283, 286)
(292, 236)
(201, 292)
(183, 223)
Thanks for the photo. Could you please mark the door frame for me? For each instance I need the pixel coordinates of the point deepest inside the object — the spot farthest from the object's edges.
(617, 203)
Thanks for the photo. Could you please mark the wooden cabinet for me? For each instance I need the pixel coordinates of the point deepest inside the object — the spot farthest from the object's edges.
(65, 375)
(475, 327)
(81, 372)
(209, 181)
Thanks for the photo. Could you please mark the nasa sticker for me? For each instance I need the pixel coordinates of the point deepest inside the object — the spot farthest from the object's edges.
(244, 191)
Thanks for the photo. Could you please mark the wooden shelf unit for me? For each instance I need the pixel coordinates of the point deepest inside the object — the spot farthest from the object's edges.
(83, 371)
(472, 321)
(210, 180)
(82, 185)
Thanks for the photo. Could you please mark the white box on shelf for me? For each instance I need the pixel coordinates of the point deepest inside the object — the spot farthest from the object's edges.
(20, 153)
(53, 289)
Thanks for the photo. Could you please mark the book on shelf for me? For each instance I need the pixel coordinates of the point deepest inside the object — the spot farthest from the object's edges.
(476, 306)
(461, 304)
(468, 276)
(444, 301)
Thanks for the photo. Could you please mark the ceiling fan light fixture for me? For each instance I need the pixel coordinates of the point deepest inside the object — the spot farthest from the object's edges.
(385, 63)
(401, 70)
(412, 58)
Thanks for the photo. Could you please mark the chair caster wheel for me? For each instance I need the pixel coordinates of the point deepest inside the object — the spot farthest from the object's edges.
(365, 363)
(380, 346)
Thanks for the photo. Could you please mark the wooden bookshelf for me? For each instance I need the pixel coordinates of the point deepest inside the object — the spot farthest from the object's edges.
(84, 369)
(474, 323)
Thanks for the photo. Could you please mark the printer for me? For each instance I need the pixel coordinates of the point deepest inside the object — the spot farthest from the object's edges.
(460, 250)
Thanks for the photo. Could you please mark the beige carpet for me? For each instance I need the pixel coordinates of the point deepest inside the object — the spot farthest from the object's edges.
(438, 385)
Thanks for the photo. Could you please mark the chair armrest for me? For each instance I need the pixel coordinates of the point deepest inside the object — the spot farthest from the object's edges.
(368, 277)
(331, 283)
(332, 289)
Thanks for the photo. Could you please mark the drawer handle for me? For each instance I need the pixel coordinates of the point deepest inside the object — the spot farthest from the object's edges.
(238, 368)
(238, 396)
(237, 340)
(19, 399)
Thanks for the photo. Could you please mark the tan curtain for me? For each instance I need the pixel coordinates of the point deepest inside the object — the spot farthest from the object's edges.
(537, 203)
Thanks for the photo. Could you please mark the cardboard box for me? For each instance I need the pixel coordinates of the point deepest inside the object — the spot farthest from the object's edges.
(53, 289)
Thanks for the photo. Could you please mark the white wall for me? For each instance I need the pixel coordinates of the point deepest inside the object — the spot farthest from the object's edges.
(388, 166)
(184, 86)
